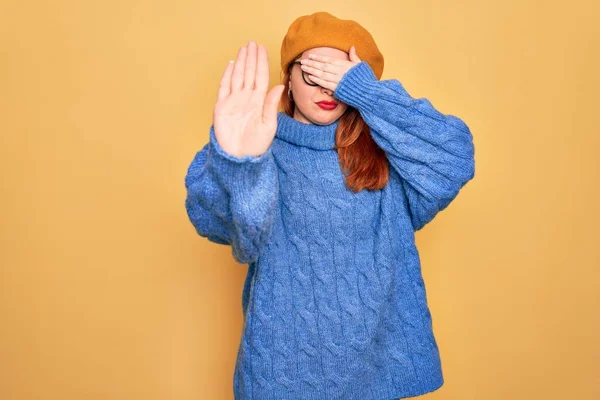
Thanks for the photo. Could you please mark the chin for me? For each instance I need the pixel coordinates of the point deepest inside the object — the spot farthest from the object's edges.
(325, 118)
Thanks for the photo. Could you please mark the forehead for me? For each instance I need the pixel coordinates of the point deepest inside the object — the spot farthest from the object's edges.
(326, 51)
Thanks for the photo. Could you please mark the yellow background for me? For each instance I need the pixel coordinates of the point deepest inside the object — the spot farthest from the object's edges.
(106, 291)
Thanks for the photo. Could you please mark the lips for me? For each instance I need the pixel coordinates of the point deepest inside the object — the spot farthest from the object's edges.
(327, 105)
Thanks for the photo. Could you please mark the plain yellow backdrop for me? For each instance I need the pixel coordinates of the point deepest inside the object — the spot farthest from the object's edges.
(107, 292)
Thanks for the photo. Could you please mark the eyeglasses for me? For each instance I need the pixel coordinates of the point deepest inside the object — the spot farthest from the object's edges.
(306, 76)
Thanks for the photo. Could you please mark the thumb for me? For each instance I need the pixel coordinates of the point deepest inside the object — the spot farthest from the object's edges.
(353, 55)
(271, 104)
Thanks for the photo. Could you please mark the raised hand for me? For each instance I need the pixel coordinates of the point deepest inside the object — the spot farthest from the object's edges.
(245, 116)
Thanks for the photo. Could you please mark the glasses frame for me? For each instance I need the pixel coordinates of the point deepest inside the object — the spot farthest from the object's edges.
(303, 77)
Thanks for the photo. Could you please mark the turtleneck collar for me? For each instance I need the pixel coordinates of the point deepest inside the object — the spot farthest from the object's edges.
(318, 137)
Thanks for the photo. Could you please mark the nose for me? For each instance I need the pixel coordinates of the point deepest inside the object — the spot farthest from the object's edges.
(327, 91)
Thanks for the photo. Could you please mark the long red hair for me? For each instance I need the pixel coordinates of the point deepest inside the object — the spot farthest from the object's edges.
(363, 162)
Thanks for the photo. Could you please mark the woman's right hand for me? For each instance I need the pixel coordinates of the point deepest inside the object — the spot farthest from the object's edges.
(245, 116)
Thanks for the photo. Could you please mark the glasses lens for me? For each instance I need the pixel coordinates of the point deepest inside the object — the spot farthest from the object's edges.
(308, 79)
(306, 76)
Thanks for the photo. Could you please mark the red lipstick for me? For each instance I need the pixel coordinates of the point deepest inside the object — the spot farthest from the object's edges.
(327, 105)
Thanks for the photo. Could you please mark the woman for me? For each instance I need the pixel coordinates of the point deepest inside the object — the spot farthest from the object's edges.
(322, 200)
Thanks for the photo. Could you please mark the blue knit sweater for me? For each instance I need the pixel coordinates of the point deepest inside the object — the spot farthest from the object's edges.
(334, 302)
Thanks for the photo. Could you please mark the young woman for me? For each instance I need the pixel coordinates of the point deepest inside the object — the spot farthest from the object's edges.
(322, 201)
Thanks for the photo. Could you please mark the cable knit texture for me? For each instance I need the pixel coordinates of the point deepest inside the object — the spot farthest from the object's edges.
(334, 302)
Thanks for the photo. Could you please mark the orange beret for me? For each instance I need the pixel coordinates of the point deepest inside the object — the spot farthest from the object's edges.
(322, 29)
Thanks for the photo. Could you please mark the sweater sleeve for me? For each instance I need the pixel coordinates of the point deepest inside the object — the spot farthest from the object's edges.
(433, 153)
(231, 200)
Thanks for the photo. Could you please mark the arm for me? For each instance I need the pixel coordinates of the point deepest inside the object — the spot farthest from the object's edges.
(231, 200)
(432, 152)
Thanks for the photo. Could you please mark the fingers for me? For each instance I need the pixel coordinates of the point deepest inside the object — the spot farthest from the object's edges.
(250, 67)
(237, 80)
(225, 85)
(271, 104)
(250, 71)
(262, 70)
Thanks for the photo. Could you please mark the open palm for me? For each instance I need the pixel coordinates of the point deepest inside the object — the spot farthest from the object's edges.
(245, 116)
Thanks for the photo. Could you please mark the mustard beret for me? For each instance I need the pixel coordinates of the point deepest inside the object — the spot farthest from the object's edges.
(322, 29)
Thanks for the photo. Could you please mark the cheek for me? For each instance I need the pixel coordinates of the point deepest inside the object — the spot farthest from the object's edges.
(342, 108)
(303, 93)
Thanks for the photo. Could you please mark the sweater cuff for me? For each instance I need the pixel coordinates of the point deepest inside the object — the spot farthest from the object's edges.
(236, 173)
(358, 87)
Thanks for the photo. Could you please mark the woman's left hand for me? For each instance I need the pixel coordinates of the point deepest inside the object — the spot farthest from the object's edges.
(328, 71)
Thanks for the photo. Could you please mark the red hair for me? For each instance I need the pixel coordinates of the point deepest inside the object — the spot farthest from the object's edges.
(363, 162)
